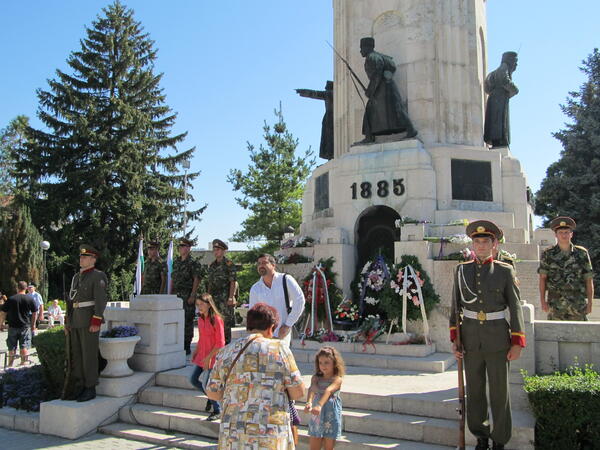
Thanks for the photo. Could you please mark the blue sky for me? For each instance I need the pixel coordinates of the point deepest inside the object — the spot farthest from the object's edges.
(228, 64)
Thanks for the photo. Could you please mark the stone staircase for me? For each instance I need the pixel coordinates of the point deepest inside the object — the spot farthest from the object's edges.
(404, 399)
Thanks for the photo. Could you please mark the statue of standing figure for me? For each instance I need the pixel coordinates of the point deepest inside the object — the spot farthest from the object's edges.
(384, 111)
(500, 88)
(326, 149)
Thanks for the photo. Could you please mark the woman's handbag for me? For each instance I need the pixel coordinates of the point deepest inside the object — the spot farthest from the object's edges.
(204, 377)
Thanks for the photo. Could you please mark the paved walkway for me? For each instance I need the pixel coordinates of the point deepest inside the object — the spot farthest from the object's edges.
(18, 440)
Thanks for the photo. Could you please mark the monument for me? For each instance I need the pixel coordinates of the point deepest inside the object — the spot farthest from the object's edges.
(443, 174)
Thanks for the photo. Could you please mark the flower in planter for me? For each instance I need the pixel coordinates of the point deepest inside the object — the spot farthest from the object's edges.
(120, 332)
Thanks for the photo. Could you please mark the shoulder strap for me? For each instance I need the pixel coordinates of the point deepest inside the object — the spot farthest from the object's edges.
(286, 295)
(238, 357)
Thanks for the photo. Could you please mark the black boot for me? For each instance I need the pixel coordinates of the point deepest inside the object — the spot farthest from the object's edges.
(482, 444)
(74, 394)
(497, 446)
(87, 394)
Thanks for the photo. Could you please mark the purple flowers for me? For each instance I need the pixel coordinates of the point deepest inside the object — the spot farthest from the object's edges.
(24, 388)
(120, 332)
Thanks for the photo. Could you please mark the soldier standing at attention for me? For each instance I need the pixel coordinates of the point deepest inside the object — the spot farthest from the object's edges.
(566, 274)
(155, 271)
(221, 285)
(185, 280)
(484, 290)
(85, 310)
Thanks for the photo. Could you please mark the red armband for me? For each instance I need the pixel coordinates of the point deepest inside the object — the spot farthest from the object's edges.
(518, 339)
(452, 334)
(96, 321)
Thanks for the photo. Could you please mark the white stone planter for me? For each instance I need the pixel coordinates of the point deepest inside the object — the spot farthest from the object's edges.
(117, 351)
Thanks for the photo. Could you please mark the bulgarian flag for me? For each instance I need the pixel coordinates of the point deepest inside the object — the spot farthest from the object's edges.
(139, 269)
(169, 267)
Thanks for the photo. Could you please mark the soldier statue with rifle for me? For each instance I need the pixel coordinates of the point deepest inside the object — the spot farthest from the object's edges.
(485, 290)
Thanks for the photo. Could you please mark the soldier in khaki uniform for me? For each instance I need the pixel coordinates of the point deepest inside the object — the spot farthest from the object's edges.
(566, 274)
(221, 285)
(85, 310)
(484, 290)
(155, 271)
(186, 277)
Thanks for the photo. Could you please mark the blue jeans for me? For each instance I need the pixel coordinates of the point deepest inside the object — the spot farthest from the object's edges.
(196, 382)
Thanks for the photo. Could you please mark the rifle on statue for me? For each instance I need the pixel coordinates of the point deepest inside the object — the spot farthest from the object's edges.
(354, 77)
(461, 383)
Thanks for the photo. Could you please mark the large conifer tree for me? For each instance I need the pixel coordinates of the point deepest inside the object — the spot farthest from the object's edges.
(572, 184)
(273, 185)
(106, 168)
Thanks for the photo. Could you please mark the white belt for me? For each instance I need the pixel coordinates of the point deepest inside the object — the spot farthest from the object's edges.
(83, 304)
(482, 316)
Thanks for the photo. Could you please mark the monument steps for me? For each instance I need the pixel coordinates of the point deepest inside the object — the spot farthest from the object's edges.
(393, 405)
(349, 441)
(435, 362)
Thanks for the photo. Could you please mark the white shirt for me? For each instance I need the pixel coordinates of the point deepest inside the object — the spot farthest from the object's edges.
(37, 297)
(275, 297)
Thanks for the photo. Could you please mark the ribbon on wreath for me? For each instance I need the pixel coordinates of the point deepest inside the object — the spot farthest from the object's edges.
(319, 289)
(380, 264)
(409, 271)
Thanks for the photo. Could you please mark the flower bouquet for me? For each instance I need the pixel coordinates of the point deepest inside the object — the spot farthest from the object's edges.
(346, 315)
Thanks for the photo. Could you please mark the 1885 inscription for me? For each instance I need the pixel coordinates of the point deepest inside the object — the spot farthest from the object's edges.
(382, 188)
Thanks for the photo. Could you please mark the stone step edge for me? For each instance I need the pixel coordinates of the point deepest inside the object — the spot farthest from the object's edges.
(407, 419)
(447, 408)
(152, 435)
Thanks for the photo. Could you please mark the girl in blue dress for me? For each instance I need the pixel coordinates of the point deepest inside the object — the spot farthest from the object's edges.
(324, 402)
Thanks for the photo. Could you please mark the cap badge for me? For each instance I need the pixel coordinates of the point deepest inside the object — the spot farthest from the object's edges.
(563, 224)
(480, 229)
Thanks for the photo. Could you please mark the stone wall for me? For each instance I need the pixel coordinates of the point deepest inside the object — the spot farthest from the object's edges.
(559, 345)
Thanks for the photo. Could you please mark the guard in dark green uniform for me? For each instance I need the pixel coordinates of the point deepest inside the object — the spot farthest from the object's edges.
(186, 277)
(155, 271)
(484, 290)
(221, 285)
(566, 274)
(85, 310)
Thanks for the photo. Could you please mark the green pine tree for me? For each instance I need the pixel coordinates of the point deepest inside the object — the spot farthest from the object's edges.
(12, 139)
(106, 169)
(572, 184)
(272, 186)
(21, 256)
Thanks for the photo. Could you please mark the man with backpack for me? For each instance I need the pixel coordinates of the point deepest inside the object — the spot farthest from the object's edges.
(280, 291)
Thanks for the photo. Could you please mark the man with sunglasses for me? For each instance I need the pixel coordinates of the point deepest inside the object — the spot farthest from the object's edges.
(185, 279)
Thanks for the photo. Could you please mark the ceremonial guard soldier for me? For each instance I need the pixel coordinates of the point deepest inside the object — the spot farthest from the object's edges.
(222, 284)
(187, 273)
(484, 291)
(85, 310)
(566, 274)
(155, 271)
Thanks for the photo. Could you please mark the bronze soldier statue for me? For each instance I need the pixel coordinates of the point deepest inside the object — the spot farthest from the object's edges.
(85, 310)
(500, 88)
(221, 284)
(566, 274)
(155, 271)
(484, 290)
(326, 148)
(384, 112)
(186, 277)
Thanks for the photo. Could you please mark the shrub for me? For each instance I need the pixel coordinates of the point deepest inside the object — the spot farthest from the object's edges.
(50, 346)
(567, 409)
(25, 388)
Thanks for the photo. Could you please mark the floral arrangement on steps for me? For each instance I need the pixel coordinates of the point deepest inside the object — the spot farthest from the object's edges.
(346, 315)
(322, 296)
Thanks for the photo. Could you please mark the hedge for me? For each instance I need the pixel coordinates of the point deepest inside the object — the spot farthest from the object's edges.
(567, 409)
(50, 346)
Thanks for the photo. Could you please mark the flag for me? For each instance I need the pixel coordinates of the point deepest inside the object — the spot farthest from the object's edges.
(169, 267)
(139, 269)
